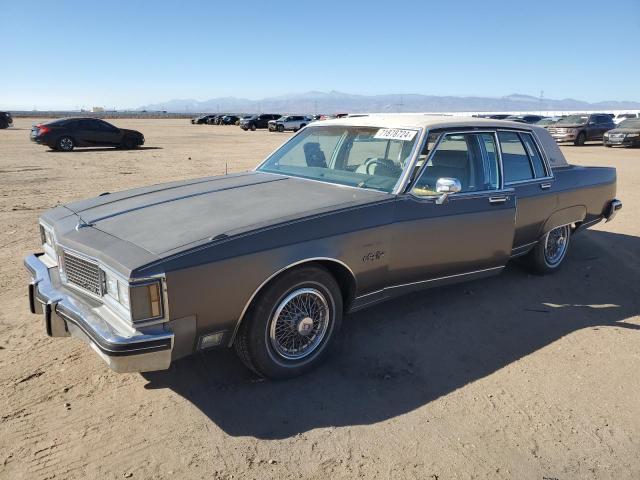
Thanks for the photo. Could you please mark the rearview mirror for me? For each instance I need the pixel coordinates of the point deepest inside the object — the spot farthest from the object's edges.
(446, 186)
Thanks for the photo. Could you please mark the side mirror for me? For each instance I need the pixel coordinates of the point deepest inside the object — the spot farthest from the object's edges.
(446, 186)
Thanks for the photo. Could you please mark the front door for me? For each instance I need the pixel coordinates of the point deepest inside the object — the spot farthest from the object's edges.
(467, 234)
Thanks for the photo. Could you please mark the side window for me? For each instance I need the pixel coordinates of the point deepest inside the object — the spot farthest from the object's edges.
(534, 155)
(469, 157)
(515, 160)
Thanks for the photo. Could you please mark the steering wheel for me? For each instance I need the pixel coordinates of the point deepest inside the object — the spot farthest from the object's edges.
(377, 161)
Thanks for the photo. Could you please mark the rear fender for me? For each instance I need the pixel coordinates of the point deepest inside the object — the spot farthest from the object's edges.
(566, 216)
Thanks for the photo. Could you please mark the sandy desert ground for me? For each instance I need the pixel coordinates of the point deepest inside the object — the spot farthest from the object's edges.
(515, 377)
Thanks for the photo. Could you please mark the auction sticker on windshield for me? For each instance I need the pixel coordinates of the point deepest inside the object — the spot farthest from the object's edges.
(395, 134)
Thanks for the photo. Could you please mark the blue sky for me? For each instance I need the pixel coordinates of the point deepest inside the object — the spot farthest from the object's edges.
(68, 54)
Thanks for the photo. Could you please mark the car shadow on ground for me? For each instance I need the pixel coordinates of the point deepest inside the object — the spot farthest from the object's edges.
(104, 149)
(402, 354)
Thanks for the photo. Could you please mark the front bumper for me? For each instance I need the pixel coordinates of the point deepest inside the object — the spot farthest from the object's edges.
(564, 137)
(69, 314)
(624, 142)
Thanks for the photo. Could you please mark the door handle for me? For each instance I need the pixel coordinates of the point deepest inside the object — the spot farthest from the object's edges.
(497, 200)
(545, 186)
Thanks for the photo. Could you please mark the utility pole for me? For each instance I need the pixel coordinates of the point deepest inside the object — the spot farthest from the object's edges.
(401, 104)
(541, 100)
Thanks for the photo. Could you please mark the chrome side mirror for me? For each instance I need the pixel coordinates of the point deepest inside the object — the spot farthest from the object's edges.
(446, 186)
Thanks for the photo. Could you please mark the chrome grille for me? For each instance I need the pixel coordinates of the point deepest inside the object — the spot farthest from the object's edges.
(83, 273)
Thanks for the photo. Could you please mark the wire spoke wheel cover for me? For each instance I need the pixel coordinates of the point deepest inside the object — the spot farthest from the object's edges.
(299, 324)
(555, 245)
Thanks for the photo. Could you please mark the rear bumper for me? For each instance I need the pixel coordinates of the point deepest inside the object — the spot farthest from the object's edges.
(68, 314)
(614, 207)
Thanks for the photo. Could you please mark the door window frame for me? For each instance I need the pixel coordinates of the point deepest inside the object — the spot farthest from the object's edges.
(543, 155)
(442, 134)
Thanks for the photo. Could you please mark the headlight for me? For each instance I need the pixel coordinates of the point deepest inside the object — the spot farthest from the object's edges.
(146, 301)
(116, 289)
(143, 301)
(632, 135)
(46, 236)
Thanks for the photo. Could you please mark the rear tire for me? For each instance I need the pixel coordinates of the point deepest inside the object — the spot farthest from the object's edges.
(65, 144)
(290, 326)
(550, 252)
(580, 139)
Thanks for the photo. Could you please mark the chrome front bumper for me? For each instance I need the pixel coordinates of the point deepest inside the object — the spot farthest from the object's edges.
(69, 314)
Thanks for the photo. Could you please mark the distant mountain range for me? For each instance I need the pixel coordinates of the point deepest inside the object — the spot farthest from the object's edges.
(333, 102)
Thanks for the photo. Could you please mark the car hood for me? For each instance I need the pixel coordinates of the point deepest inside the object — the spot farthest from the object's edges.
(169, 218)
(624, 130)
(572, 125)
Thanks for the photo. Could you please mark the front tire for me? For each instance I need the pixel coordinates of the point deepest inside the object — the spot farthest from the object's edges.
(289, 328)
(253, 128)
(580, 139)
(280, 128)
(550, 252)
(129, 144)
(65, 144)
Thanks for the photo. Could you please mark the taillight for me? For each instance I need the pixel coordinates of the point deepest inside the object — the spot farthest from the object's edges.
(42, 129)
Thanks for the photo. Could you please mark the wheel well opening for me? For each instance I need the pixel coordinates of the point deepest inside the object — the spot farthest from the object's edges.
(343, 276)
(345, 280)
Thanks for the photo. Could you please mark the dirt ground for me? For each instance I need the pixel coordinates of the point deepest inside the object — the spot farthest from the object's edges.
(514, 377)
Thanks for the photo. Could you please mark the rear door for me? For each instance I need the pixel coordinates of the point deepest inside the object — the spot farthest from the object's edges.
(526, 171)
(471, 232)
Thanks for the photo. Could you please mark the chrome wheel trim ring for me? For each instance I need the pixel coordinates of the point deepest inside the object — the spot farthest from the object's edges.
(556, 243)
(299, 324)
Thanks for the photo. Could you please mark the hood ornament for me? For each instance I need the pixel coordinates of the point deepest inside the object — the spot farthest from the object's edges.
(83, 224)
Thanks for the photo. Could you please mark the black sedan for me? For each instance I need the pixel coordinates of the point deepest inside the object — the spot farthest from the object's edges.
(5, 120)
(626, 134)
(66, 134)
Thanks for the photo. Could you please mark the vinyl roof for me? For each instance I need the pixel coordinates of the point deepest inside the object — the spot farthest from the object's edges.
(399, 120)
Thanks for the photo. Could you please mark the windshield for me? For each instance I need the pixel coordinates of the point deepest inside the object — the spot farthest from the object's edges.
(574, 120)
(365, 157)
(546, 121)
(631, 123)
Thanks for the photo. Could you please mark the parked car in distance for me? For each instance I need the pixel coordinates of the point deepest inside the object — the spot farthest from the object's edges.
(289, 122)
(498, 116)
(346, 214)
(201, 119)
(524, 118)
(258, 121)
(65, 134)
(230, 120)
(5, 120)
(626, 134)
(547, 122)
(582, 128)
(621, 117)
